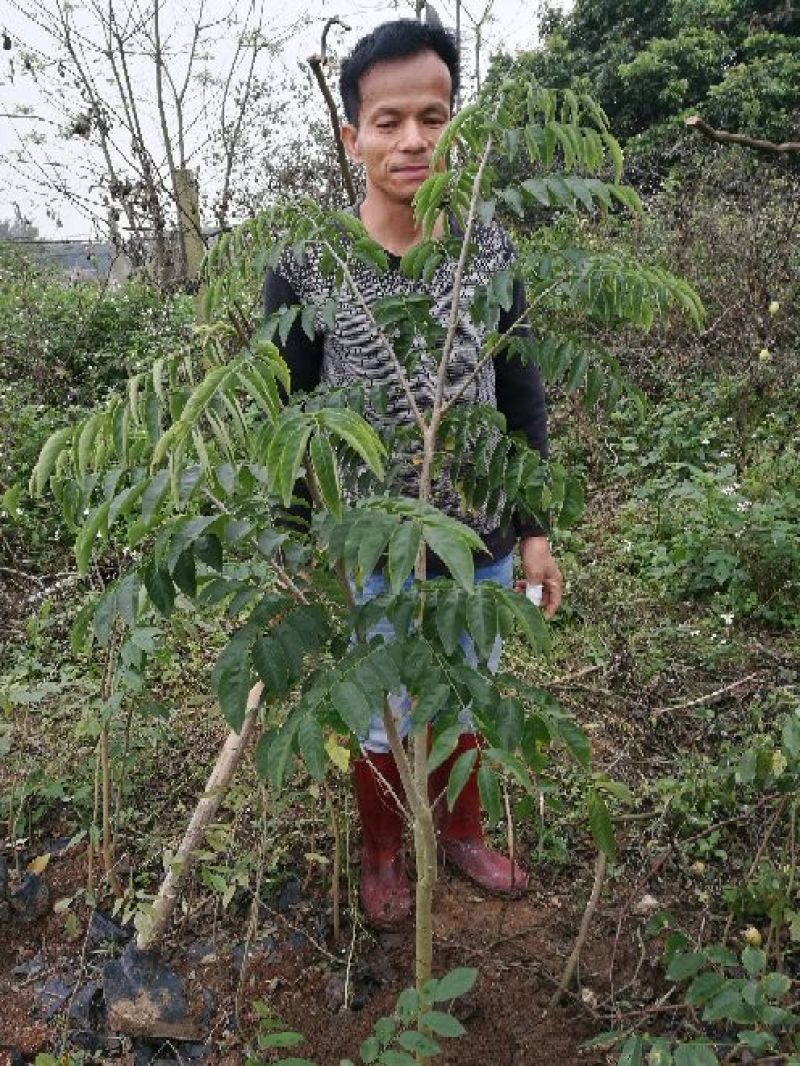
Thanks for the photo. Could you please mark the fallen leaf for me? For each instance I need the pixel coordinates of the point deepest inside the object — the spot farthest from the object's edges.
(39, 864)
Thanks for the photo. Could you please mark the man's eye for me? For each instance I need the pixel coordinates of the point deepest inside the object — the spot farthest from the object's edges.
(386, 125)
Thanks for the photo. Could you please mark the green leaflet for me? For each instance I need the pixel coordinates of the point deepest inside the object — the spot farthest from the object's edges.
(273, 755)
(291, 455)
(272, 667)
(357, 433)
(503, 721)
(403, 546)
(326, 474)
(482, 619)
(86, 440)
(96, 525)
(352, 707)
(454, 984)
(55, 444)
(575, 741)
(231, 680)
(600, 824)
(631, 1054)
(489, 791)
(451, 618)
(444, 746)
(160, 588)
(195, 406)
(529, 618)
(311, 745)
(453, 550)
(373, 535)
(459, 776)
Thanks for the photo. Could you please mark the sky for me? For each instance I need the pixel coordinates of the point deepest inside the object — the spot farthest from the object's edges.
(294, 25)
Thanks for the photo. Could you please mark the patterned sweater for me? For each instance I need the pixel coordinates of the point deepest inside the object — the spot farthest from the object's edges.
(350, 353)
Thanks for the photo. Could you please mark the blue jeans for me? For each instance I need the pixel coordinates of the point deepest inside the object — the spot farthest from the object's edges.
(501, 571)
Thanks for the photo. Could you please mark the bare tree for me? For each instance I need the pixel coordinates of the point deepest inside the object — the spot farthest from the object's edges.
(150, 100)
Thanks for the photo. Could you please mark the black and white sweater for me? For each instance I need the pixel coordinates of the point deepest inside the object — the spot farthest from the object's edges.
(351, 353)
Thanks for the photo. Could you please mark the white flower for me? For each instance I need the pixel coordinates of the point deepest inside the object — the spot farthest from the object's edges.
(727, 618)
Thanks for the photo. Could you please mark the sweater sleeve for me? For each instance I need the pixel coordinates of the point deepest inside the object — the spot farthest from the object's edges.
(303, 356)
(520, 394)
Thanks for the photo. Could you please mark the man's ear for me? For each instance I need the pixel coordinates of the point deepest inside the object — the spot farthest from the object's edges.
(349, 135)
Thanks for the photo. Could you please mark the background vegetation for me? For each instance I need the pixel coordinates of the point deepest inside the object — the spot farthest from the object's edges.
(677, 644)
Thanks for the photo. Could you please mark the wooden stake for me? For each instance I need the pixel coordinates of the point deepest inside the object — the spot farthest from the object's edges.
(224, 769)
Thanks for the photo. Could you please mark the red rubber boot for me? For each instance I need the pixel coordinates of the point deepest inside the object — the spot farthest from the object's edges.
(384, 890)
(460, 831)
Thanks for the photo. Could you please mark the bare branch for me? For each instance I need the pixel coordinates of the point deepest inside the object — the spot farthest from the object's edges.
(724, 137)
(316, 63)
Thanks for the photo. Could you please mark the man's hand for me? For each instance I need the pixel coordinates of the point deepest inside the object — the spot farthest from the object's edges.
(540, 568)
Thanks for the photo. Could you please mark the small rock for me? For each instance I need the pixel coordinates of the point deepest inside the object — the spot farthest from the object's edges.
(392, 941)
(646, 906)
(58, 846)
(195, 1052)
(144, 998)
(201, 952)
(334, 991)
(4, 906)
(32, 899)
(51, 997)
(289, 895)
(258, 949)
(589, 998)
(13, 1056)
(91, 1041)
(86, 1009)
(31, 967)
(380, 969)
(103, 930)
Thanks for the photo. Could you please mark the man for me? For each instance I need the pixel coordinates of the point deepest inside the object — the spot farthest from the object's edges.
(398, 87)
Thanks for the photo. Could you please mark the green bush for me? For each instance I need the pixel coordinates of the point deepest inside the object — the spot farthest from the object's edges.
(64, 347)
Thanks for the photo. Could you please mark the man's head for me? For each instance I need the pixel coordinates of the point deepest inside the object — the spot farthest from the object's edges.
(398, 87)
(393, 41)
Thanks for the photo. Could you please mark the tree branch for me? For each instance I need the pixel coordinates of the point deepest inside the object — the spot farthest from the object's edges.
(315, 62)
(724, 137)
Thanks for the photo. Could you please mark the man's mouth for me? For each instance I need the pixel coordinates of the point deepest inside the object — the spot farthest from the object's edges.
(413, 171)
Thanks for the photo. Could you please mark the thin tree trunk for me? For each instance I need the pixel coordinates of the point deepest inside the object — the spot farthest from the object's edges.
(224, 769)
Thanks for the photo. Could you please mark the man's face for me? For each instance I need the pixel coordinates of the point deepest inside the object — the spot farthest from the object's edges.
(405, 105)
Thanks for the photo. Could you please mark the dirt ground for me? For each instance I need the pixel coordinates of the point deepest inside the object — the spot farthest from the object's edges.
(293, 967)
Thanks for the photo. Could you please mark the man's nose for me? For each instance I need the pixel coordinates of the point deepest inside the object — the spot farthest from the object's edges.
(413, 139)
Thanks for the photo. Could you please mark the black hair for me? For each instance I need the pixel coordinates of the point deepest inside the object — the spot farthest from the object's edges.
(394, 40)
